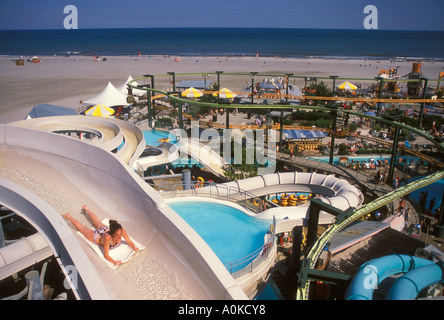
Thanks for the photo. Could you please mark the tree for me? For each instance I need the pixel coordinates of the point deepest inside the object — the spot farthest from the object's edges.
(320, 89)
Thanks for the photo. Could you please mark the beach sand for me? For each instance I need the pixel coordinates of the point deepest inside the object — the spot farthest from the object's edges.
(64, 81)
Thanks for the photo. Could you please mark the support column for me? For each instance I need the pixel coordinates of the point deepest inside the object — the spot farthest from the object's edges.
(218, 79)
(287, 78)
(294, 266)
(281, 129)
(150, 109)
(394, 152)
(150, 116)
(333, 132)
(421, 117)
(313, 221)
(186, 176)
(334, 84)
(252, 86)
(439, 227)
(381, 86)
(227, 118)
(180, 116)
(173, 74)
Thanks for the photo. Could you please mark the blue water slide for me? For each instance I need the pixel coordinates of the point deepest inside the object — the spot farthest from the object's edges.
(410, 284)
(370, 274)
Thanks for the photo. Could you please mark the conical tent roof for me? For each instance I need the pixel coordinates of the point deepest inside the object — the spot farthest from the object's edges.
(192, 93)
(225, 93)
(109, 97)
(124, 88)
(347, 86)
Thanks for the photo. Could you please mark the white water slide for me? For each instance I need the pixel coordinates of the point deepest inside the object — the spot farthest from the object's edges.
(176, 259)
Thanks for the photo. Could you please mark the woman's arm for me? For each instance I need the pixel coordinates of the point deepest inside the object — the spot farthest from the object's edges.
(106, 243)
(128, 240)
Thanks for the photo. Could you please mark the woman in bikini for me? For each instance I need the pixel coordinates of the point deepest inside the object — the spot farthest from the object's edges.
(108, 237)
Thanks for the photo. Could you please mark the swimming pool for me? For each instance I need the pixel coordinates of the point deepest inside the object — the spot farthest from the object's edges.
(231, 233)
(366, 159)
(152, 136)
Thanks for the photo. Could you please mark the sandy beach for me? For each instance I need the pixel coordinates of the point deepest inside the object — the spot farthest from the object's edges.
(64, 81)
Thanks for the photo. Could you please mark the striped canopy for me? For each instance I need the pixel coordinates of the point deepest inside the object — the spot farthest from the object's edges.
(347, 86)
(303, 134)
(99, 111)
(225, 94)
(192, 93)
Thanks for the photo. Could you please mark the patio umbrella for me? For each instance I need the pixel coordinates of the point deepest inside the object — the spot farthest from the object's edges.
(347, 86)
(99, 111)
(225, 94)
(192, 93)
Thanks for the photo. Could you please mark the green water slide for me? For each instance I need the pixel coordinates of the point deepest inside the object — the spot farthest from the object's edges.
(340, 224)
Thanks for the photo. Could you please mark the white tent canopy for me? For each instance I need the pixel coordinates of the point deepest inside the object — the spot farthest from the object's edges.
(124, 88)
(109, 97)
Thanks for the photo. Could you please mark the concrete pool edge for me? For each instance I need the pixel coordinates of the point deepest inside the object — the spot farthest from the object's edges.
(249, 279)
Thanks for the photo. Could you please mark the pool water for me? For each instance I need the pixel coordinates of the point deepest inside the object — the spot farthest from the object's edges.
(153, 136)
(366, 159)
(230, 233)
(182, 162)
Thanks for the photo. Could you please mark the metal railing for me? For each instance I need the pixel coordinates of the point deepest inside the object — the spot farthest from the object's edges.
(248, 263)
(208, 189)
(236, 195)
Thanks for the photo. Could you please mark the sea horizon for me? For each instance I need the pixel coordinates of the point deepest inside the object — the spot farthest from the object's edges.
(227, 41)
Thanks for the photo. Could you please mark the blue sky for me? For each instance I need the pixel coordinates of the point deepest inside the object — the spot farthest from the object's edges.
(330, 14)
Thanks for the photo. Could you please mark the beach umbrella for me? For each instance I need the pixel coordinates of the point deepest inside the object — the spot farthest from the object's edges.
(347, 86)
(99, 111)
(225, 94)
(192, 93)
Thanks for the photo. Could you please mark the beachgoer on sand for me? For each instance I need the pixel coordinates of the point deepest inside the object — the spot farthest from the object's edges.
(108, 237)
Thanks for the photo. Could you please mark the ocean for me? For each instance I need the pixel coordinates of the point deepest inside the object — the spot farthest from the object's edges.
(371, 44)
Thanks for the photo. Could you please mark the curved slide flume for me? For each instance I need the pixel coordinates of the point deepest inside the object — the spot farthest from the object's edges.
(358, 213)
(334, 191)
(111, 134)
(372, 273)
(86, 174)
(409, 285)
(419, 273)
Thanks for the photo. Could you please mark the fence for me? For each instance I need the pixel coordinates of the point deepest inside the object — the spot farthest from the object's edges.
(233, 194)
(247, 264)
(208, 189)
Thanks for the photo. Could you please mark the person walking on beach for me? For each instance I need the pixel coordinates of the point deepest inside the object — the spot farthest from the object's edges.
(108, 237)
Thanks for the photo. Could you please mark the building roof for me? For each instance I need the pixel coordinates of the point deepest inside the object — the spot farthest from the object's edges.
(349, 258)
(200, 84)
(49, 110)
(267, 85)
(302, 134)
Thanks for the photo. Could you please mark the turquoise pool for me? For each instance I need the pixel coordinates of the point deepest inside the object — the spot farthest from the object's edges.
(366, 159)
(231, 233)
(153, 136)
